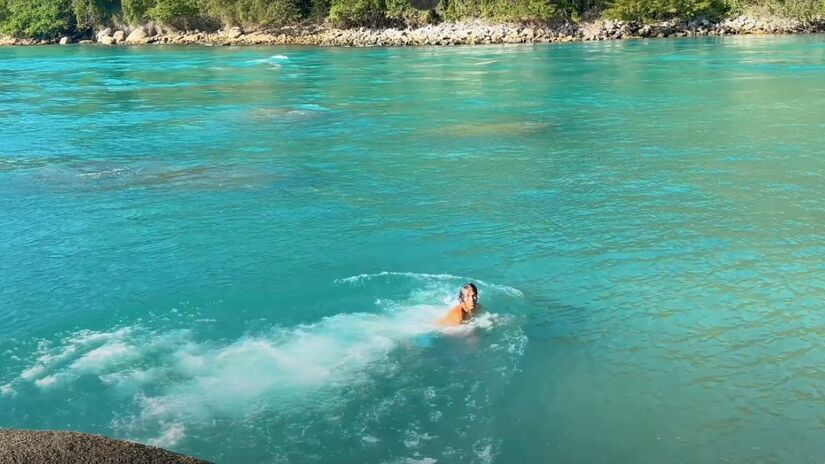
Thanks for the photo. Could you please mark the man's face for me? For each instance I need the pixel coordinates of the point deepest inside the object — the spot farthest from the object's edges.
(469, 299)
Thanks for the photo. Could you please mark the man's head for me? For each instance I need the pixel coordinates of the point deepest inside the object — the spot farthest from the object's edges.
(468, 297)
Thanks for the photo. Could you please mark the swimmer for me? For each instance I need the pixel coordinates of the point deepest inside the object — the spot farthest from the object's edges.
(466, 308)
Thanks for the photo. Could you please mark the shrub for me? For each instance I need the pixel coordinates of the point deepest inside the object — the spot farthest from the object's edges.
(4, 11)
(136, 11)
(649, 10)
(460, 9)
(349, 13)
(520, 10)
(180, 14)
(797, 9)
(37, 18)
(503, 10)
(254, 12)
(268, 12)
(92, 14)
(319, 9)
(402, 13)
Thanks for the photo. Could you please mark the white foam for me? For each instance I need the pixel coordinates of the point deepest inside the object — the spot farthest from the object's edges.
(439, 277)
(482, 321)
(311, 107)
(269, 60)
(333, 352)
(47, 361)
(7, 390)
(170, 436)
(484, 451)
(103, 357)
(46, 381)
(101, 353)
(32, 372)
(178, 380)
(110, 173)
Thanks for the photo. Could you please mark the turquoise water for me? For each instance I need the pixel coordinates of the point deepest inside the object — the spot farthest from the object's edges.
(237, 253)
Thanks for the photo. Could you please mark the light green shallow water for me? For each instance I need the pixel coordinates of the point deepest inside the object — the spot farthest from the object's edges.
(237, 253)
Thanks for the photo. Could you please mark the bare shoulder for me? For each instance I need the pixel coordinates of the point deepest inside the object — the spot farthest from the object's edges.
(453, 317)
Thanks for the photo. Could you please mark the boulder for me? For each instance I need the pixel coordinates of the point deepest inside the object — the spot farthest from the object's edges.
(234, 33)
(65, 40)
(106, 40)
(104, 33)
(119, 36)
(137, 36)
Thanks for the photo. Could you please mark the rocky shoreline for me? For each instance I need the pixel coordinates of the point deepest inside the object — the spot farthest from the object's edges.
(459, 33)
(48, 447)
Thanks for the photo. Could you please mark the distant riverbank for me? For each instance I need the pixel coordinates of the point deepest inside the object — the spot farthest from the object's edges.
(447, 33)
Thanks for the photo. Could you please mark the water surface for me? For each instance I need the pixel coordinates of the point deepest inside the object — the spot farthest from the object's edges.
(237, 253)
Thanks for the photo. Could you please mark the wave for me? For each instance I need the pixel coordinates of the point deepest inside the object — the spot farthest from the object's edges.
(311, 107)
(274, 59)
(440, 277)
(110, 173)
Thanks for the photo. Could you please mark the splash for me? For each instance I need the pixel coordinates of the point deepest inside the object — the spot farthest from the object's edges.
(430, 277)
(180, 379)
(175, 384)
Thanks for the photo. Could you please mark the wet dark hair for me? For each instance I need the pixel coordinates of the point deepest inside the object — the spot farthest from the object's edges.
(467, 285)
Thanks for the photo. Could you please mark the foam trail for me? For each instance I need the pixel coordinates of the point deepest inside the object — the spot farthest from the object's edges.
(288, 368)
(177, 379)
(176, 383)
(340, 350)
(421, 276)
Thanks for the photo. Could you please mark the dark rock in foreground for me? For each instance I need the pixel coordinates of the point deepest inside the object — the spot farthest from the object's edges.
(35, 447)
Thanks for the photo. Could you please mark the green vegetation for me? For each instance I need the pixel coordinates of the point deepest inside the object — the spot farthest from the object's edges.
(512, 10)
(801, 9)
(50, 18)
(35, 18)
(647, 10)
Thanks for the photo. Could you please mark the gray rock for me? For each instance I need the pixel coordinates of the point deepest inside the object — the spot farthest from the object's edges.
(36, 447)
(104, 33)
(65, 40)
(234, 33)
(137, 36)
(106, 40)
(119, 36)
(150, 29)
